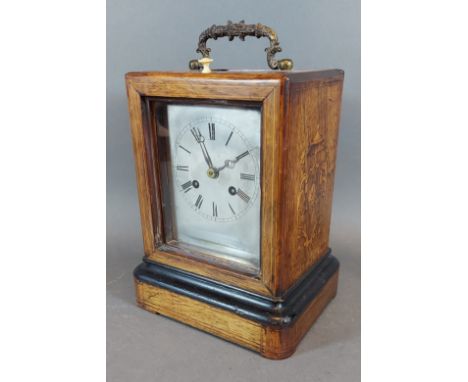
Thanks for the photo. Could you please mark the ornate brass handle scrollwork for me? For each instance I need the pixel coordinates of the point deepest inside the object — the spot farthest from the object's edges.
(241, 30)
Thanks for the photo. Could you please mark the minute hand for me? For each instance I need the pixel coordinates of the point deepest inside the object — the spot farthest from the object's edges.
(206, 155)
(201, 141)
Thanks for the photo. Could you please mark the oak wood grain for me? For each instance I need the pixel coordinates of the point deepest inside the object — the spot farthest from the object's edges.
(141, 167)
(200, 315)
(282, 343)
(270, 342)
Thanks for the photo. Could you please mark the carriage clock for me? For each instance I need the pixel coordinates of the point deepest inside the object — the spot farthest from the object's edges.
(235, 175)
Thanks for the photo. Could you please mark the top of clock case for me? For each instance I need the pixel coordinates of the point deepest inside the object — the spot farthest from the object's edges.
(325, 75)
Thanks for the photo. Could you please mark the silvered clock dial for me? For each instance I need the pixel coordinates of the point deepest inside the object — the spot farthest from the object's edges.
(214, 177)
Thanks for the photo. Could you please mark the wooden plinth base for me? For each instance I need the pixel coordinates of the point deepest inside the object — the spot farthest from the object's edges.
(271, 328)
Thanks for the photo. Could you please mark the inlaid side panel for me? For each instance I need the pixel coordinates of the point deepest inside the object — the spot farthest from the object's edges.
(308, 174)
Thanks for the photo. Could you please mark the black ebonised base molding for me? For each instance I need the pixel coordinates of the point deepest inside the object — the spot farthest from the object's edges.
(248, 305)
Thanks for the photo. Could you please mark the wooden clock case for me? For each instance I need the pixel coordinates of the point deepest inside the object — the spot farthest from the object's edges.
(271, 311)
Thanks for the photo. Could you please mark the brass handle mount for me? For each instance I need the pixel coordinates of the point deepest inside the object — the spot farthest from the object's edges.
(240, 29)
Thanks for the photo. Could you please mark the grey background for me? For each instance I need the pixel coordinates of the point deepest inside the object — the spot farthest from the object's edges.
(162, 35)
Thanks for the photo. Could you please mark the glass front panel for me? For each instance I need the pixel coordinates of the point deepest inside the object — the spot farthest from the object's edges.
(210, 164)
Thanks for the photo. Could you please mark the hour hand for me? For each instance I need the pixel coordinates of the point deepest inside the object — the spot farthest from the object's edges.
(230, 163)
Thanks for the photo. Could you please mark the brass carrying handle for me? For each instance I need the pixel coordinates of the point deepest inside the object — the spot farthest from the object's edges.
(241, 30)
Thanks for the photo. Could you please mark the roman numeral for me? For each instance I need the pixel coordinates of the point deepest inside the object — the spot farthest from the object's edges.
(197, 134)
(199, 201)
(187, 186)
(229, 138)
(243, 195)
(215, 210)
(242, 155)
(183, 148)
(212, 131)
(182, 168)
(247, 176)
(232, 209)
